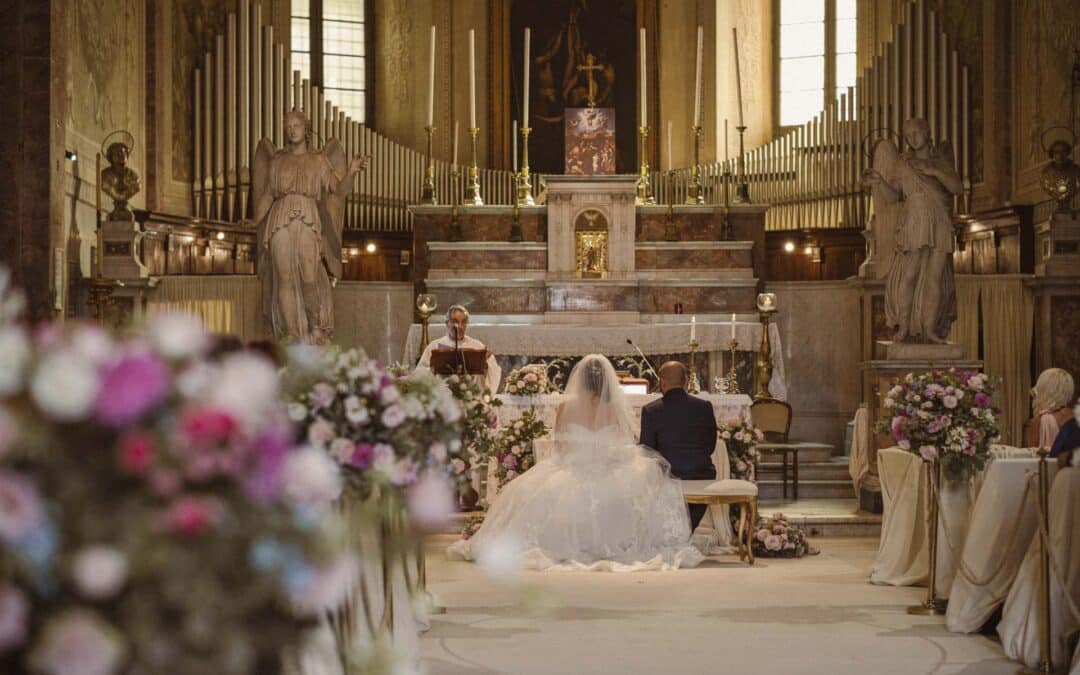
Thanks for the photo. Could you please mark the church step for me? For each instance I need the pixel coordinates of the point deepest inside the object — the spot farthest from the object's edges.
(814, 471)
(770, 488)
(826, 517)
(805, 456)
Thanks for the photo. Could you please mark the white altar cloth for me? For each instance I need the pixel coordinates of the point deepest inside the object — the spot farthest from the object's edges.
(1019, 627)
(1002, 528)
(517, 339)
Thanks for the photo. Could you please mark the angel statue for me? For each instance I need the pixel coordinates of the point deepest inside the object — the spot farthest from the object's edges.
(299, 202)
(913, 231)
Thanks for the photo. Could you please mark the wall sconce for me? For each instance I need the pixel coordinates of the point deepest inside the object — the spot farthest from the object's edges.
(71, 155)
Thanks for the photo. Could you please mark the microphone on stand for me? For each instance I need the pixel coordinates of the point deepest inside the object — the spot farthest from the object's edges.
(462, 369)
(645, 359)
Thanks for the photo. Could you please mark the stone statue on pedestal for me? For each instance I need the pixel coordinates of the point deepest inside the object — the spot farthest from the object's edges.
(1061, 177)
(119, 181)
(913, 232)
(299, 207)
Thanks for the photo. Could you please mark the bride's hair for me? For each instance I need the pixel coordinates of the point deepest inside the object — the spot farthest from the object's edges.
(593, 378)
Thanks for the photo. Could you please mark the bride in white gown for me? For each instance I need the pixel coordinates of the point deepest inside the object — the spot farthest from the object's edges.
(600, 502)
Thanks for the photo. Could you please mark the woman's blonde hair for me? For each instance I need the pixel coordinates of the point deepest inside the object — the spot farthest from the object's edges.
(1052, 391)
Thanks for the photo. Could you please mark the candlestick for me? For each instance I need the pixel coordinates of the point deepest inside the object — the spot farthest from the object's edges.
(692, 386)
(524, 191)
(671, 231)
(515, 225)
(764, 357)
(644, 189)
(742, 189)
(453, 161)
(670, 164)
(693, 328)
(697, 79)
(427, 191)
(472, 78)
(738, 74)
(431, 81)
(733, 326)
(727, 153)
(695, 192)
(455, 225)
(514, 142)
(644, 78)
(525, 97)
(733, 384)
(472, 192)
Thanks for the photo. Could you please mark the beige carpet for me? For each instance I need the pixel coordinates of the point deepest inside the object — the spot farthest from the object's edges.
(814, 615)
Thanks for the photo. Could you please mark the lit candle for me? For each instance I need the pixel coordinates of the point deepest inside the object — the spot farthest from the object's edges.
(670, 164)
(472, 79)
(525, 78)
(644, 107)
(454, 162)
(513, 142)
(697, 79)
(431, 81)
(738, 75)
(733, 327)
(693, 328)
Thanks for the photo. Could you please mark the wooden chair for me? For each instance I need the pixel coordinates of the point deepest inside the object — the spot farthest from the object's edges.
(772, 417)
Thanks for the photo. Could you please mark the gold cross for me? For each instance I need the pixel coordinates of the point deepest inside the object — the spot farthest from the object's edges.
(589, 67)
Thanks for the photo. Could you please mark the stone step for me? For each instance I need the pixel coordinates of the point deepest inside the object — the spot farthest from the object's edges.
(813, 471)
(769, 489)
(805, 456)
(826, 517)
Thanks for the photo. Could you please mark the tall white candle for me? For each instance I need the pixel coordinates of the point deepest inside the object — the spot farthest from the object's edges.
(670, 164)
(693, 328)
(472, 79)
(697, 78)
(454, 161)
(738, 75)
(644, 78)
(733, 327)
(431, 81)
(514, 142)
(525, 79)
(726, 155)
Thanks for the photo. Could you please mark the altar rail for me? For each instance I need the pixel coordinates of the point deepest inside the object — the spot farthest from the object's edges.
(809, 175)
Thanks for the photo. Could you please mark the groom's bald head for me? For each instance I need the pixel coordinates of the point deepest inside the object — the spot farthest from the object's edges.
(672, 376)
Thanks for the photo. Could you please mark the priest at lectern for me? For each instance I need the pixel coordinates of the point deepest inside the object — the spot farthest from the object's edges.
(456, 352)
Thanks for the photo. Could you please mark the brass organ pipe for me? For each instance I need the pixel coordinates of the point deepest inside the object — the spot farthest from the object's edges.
(244, 109)
(219, 128)
(196, 183)
(230, 120)
(207, 113)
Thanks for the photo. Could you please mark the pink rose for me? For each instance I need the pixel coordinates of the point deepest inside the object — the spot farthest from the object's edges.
(136, 453)
(928, 452)
(322, 395)
(129, 388)
(166, 482)
(207, 426)
(363, 456)
(14, 611)
(950, 401)
(772, 542)
(192, 516)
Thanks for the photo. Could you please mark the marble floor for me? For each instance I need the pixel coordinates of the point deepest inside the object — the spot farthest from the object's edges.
(813, 615)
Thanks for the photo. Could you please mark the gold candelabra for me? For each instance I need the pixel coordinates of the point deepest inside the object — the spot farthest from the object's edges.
(472, 191)
(695, 193)
(644, 191)
(733, 381)
(524, 186)
(671, 230)
(763, 362)
(932, 606)
(693, 386)
(725, 222)
(425, 305)
(516, 234)
(742, 190)
(427, 192)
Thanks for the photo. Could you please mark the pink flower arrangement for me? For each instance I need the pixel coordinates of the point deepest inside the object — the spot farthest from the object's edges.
(945, 416)
(775, 537)
(530, 380)
(514, 448)
(741, 439)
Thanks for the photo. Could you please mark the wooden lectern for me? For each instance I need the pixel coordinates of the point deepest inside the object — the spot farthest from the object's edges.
(446, 362)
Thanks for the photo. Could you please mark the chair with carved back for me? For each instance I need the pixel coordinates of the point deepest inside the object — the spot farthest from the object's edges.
(773, 418)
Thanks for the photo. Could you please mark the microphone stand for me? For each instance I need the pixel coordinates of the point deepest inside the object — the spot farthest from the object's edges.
(462, 369)
(645, 359)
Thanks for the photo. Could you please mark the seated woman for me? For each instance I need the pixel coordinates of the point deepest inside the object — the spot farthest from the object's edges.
(1051, 403)
(1067, 443)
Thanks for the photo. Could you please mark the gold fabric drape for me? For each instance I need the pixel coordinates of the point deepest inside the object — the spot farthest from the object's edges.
(1008, 309)
(226, 304)
(965, 332)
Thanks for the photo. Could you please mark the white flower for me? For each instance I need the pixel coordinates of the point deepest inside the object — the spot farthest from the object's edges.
(92, 343)
(384, 460)
(311, 478)
(437, 451)
(889, 403)
(431, 501)
(726, 435)
(389, 394)
(403, 473)
(393, 416)
(99, 572)
(450, 411)
(197, 379)
(342, 449)
(950, 401)
(176, 335)
(247, 387)
(320, 433)
(977, 382)
(356, 412)
(14, 356)
(322, 395)
(905, 444)
(77, 642)
(327, 586)
(64, 386)
(297, 412)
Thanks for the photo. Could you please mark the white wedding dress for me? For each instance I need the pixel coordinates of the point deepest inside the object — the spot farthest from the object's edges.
(601, 502)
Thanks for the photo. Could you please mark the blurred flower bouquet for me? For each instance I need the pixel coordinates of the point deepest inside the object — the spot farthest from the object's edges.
(480, 432)
(945, 416)
(154, 513)
(741, 439)
(776, 538)
(515, 453)
(531, 380)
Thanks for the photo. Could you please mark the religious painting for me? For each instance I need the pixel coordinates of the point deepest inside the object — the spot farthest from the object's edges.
(581, 52)
(590, 141)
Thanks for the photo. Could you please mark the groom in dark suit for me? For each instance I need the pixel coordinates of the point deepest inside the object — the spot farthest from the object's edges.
(682, 428)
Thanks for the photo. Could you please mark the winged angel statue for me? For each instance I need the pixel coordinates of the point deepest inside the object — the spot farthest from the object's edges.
(299, 207)
(913, 231)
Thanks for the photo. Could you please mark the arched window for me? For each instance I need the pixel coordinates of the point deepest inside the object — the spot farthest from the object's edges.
(328, 45)
(816, 55)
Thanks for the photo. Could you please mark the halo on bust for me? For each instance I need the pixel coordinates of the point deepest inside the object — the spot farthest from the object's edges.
(1071, 141)
(125, 139)
(878, 134)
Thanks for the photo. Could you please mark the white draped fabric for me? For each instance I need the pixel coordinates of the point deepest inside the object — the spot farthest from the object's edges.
(859, 464)
(1019, 627)
(714, 534)
(1002, 528)
(653, 338)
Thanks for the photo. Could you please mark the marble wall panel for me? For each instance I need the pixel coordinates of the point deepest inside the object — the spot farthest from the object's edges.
(819, 329)
(487, 260)
(1065, 333)
(666, 259)
(375, 316)
(491, 299)
(700, 299)
(591, 298)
